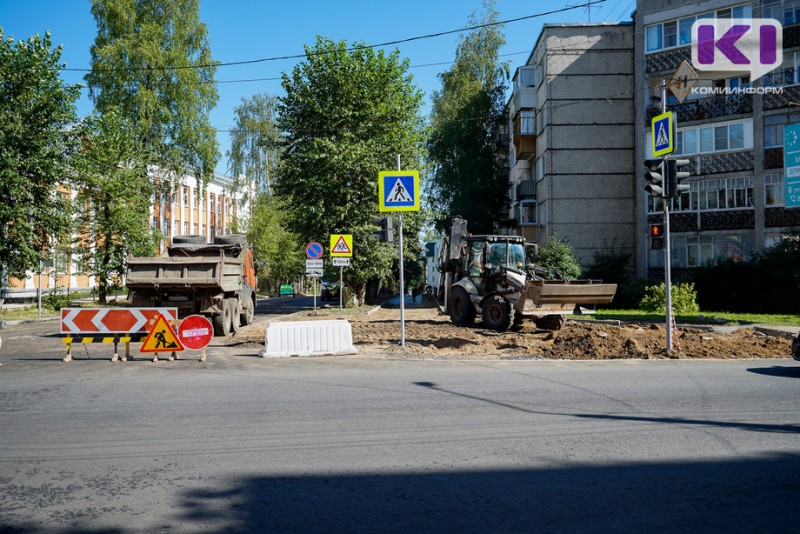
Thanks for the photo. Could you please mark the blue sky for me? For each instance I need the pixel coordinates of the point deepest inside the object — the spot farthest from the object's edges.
(253, 29)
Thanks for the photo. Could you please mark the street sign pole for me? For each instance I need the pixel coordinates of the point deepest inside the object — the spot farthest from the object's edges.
(402, 281)
(668, 244)
(340, 288)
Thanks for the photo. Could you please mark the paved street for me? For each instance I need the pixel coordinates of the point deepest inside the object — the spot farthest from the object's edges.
(329, 444)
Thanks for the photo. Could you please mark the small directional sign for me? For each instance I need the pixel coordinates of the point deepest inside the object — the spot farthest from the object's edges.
(341, 262)
(314, 264)
(341, 246)
(663, 133)
(314, 273)
(398, 190)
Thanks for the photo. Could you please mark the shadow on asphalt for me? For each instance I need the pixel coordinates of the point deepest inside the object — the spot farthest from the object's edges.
(778, 370)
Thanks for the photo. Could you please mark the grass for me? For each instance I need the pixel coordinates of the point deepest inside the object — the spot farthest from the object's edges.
(702, 318)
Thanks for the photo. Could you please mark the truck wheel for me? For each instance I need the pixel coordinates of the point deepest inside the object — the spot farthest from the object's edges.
(462, 312)
(496, 313)
(551, 322)
(796, 348)
(248, 313)
(222, 321)
(236, 312)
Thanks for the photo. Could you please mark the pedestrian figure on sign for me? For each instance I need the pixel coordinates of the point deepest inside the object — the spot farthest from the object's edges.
(399, 192)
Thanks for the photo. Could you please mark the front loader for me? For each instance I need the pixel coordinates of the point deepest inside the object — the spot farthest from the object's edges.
(494, 276)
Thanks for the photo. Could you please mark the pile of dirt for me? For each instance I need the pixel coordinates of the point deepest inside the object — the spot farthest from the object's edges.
(429, 334)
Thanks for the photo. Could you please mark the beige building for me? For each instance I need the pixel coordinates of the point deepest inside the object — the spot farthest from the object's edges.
(571, 119)
(178, 209)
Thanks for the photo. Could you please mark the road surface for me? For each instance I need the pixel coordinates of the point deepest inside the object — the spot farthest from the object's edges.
(330, 444)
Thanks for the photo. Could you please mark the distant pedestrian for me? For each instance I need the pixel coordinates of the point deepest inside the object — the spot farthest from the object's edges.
(414, 290)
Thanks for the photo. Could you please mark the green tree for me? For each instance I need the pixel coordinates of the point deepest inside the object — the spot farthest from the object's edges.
(279, 254)
(558, 257)
(254, 145)
(37, 111)
(347, 113)
(113, 202)
(465, 148)
(151, 59)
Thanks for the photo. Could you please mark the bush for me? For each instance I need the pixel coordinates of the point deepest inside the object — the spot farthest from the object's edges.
(684, 299)
(556, 256)
(56, 300)
(630, 293)
(610, 266)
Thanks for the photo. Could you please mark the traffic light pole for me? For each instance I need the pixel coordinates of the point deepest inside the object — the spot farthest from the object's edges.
(667, 242)
(402, 280)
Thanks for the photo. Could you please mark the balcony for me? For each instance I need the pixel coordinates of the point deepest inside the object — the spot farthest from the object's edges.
(788, 98)
(526, 189)
(524, 136)
(726, 162)
(525, 146)
(667, 60)
(707, 108)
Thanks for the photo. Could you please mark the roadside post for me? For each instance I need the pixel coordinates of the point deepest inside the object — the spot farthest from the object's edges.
(341, 252)
(314, 265)
(399, 191)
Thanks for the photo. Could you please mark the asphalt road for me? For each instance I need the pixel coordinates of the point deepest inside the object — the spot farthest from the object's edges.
(330, 444)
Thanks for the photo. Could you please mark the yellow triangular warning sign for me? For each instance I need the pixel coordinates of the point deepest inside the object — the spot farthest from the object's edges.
(161, 338)
(341, 246)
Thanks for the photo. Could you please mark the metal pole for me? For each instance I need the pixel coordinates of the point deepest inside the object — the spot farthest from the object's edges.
(315, 293)
(402, 280)
(667, 244)
(341, 285)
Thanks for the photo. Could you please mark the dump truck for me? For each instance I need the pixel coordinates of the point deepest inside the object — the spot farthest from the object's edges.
(214, 279)
(495, 276)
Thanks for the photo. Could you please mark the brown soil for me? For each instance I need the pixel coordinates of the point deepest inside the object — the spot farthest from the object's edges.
(431, 335)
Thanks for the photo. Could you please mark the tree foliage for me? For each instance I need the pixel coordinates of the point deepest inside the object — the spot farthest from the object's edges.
(254, 144)
(347, 113)
(151, 59)
(113, 202)
(278, 252)
(465, 148)
(37, 110)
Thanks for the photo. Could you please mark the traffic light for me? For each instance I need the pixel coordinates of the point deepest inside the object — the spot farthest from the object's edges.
(656, 236)
(386, 232)
(654, 177)
(675, 175)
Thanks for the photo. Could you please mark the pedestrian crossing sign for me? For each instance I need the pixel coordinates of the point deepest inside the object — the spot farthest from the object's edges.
(161, 338)
(341, 246)
(398, 191)
(663, 133)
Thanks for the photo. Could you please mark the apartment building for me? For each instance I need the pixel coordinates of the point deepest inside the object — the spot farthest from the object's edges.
(729, 127)
(177, 209)
(571, 143)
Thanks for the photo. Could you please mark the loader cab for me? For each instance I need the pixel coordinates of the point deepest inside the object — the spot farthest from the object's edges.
(486, 255)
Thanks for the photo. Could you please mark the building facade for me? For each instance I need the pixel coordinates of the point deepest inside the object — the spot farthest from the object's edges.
(729, 127)
(571, 124)
(177, 209)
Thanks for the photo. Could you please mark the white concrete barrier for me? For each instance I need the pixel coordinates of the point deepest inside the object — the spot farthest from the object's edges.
(309, 338)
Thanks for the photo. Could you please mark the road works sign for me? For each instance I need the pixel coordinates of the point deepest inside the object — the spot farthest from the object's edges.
(398, 191)
(111, 320)
(161, 338)
(341, 246)
(663, 133)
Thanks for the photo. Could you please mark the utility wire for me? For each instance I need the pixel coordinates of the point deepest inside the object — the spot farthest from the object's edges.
(352, 48)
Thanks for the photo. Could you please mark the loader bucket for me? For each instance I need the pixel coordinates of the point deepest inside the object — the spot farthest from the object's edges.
(560, 292)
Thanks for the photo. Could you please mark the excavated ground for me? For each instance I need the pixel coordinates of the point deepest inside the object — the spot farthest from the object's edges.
(431, 335)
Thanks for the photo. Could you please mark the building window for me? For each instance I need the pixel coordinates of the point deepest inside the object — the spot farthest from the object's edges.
(165, 228)
(203, 202)
(710, 195)
(203, 230)
(678, 32)
(527, 122)
(721, 137)
(194, 229)
(155, 222)
(185, 191)
(526, 77)
(176, 228)
(185, 228)
(696, 251)
(773, 128)
(785, 11)
(774, 190)
(526, 212)
(213, 232)
(211, 201)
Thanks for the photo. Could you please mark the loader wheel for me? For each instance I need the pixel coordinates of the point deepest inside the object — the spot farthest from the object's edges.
(796, 348)
(551, 322)
(496, 313)
(236, 312)
(462, 312)
(222, 321)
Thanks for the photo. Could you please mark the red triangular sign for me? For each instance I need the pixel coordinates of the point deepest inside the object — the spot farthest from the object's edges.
(341, 246)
